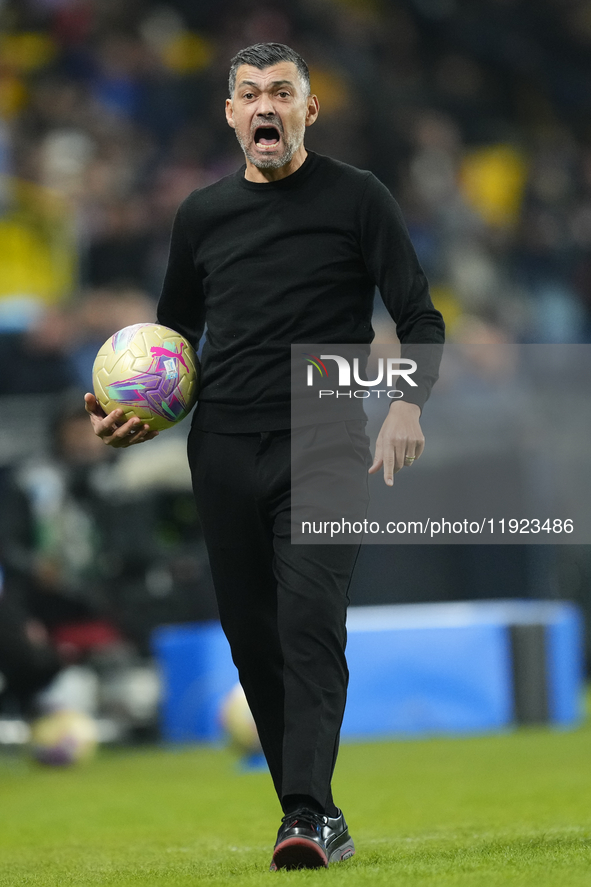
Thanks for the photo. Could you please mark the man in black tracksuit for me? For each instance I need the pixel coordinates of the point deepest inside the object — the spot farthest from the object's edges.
(289, 249)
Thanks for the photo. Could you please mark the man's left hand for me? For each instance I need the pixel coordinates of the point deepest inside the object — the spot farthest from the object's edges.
(400, 441)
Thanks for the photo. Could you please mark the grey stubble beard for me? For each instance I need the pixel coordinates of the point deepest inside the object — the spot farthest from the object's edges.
(290, 146)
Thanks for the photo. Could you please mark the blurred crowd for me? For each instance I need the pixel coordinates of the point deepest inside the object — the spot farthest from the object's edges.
(475, 115)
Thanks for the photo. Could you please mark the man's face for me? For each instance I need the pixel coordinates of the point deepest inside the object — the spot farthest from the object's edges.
(269, 112)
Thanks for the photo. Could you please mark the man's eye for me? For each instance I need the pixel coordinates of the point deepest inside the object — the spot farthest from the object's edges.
(284, 94)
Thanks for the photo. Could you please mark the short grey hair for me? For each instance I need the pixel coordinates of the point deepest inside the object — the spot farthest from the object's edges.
(263, 55)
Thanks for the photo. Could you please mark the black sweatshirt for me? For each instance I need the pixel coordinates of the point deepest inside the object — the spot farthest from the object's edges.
(293, 261)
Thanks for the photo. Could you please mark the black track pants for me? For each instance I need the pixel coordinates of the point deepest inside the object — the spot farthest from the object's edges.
(282, 606)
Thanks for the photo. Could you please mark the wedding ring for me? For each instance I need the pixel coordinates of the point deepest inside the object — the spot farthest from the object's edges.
(409, 458)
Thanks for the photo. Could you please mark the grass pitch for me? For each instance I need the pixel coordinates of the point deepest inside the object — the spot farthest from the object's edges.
(506, 810)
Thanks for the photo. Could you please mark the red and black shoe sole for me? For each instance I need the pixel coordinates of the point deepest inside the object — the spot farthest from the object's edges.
(298, 853)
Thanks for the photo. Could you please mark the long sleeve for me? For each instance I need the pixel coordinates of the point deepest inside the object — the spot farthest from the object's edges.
(182, 302)
(391, 260)
(277, 263)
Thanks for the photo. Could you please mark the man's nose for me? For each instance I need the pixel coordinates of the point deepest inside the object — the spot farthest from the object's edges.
(265, 108)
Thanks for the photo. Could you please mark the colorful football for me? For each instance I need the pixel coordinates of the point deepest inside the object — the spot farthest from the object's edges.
(238, 723)
(63, 738)
(148, 371)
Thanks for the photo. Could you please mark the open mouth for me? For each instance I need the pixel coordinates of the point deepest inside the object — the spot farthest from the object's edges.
(266, 136)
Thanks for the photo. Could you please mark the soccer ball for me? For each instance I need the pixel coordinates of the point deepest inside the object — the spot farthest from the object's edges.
(238, 722)
(148, 371)
(63, 738)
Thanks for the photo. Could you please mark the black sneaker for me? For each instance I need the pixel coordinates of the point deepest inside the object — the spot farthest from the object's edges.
(309, 840)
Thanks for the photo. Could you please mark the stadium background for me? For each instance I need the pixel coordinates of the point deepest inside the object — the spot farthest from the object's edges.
(476, 116)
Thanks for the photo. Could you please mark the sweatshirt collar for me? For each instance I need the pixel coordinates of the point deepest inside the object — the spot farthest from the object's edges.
(291, 181)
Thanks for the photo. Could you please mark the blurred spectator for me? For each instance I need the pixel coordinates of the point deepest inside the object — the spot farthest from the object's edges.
(37, 361)
(98, 314)
(121, 253)
(28, 659)
(57, 351)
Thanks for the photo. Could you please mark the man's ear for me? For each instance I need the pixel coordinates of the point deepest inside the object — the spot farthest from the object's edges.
(312, 110)
(230, 113)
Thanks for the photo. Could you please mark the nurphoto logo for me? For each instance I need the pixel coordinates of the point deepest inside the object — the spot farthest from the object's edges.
(389, 370)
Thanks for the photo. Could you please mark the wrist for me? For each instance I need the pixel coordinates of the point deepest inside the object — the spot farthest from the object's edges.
(400, 405)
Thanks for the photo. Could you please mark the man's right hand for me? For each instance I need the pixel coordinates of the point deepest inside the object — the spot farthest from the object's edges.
(111, 429)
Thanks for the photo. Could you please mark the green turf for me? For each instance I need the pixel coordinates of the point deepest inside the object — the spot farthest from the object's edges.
(506, 810)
